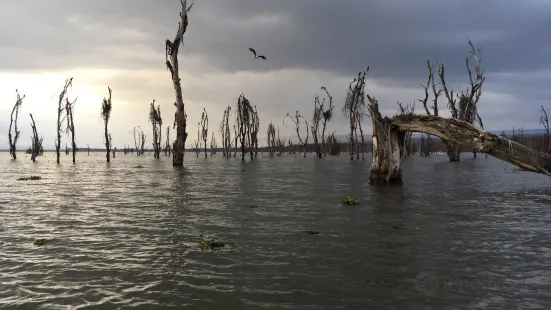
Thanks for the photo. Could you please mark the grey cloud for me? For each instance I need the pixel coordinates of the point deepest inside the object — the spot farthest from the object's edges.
(336, 38)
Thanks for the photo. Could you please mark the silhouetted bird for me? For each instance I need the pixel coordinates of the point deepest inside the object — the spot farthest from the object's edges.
(254, 52)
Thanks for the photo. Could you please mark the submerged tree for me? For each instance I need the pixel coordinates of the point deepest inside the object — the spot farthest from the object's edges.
(354, 108)
(327, 115)
(71, 125)
(13, 122)
(544, 121)
(36, 141)
(172, 65)
(196, 143)
(60, 115)
(407, 110)
(204, 123)
(106, 115)
(139, 140)
(271, 136)
(157, 123)
(226, 133)
(297, 120)
(213, 145)
(463, 107)
(255, 127)
(244, 120)
(316, 119)
(167, 142)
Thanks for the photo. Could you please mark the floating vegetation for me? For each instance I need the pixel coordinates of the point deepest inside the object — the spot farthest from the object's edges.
(138, 167)
(350, 201)
(31, 178)
(209, 243)
(40, 242)
(311, 232)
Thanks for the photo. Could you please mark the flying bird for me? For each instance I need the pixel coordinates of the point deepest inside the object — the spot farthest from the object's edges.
(255, 56)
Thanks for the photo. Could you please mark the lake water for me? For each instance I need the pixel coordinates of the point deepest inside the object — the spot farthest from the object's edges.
(469, 235)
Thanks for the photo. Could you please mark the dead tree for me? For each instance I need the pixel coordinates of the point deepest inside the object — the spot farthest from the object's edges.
(106, 115)
(213, 145)
(36, 141)
(255, 127)
(244, 122)
(226, 133)
(236, 136)
(70, 129)
(317, 116)
(272, 143)
(167, 142)
(359, 119)
(142, 146)
(544, 121)
(197, 147)
(327, 115)
(138, 143)
(354, 106)
(280, 144)
(60, 116)
(171, 57)
(13, 122)
(463, 107)
(157, 123)
(407, 110)
(204, 129)
(297, 121)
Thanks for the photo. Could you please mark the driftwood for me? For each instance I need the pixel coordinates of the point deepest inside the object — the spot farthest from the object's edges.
(180, 117)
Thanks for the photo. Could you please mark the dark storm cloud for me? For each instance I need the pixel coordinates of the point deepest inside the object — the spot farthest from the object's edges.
(393, 37)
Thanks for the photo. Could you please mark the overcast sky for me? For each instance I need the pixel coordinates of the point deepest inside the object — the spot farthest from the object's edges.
(308, 43)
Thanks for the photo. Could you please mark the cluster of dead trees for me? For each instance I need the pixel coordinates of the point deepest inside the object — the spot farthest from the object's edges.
(245, 130)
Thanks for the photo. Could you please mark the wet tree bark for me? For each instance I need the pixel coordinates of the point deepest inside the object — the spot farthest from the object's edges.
(180, 118)
(388, 146)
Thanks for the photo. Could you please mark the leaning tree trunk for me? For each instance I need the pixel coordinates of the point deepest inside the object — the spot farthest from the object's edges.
(172, 48)
(463, 133)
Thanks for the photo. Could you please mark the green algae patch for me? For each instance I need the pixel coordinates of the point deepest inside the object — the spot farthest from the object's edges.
(31, 178)
(40, 242)
(349, 201)
(209, 243)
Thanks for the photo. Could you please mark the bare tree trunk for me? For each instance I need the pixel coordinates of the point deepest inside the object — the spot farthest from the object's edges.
(106, 107)
(172, 48)
(71, 125)
(386, 166)
(36, 145)
(13, 138)
(60, 108)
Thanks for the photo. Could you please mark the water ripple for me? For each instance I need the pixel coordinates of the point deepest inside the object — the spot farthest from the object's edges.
(121, 237)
